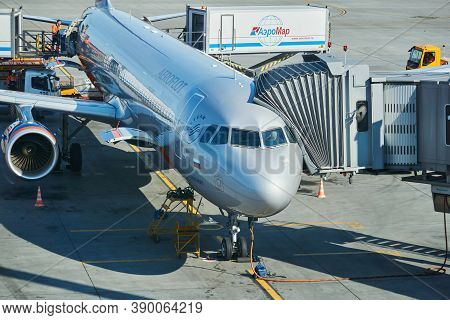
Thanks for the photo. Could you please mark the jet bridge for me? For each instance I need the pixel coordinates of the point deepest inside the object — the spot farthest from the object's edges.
(315, 99)
(309, 98)
(347, 119)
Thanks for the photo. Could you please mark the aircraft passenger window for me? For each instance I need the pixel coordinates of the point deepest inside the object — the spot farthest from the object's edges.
(207, 135)
(245, 138)
(39, 83)
(290, 135)
(221, 136)
(273, 137)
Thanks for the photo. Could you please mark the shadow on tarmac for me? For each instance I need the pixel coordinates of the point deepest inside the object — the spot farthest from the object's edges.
(107, 194)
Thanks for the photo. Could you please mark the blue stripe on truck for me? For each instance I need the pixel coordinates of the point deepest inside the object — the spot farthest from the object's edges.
(5, 48)
(255, 44)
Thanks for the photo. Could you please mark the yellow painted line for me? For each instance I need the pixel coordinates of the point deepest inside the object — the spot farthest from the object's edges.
(108, 230)
(389, 252)
(351, 224)
(64, 70)
(167, 182)
(135, 148)
(127, 260)
(266, 287)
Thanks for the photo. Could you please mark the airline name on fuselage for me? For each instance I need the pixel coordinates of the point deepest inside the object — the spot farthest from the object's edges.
(172, 81)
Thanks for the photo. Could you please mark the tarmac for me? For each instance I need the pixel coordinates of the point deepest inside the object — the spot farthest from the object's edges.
(373, 239)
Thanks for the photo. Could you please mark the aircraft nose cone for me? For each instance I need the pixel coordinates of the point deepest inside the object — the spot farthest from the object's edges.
(277, 194)
(270, 189)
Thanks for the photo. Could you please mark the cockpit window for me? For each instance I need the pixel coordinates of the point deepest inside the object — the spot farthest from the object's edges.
(221, 136)
(273, 137)
(207, 135)
(245, 138)
(290, 135)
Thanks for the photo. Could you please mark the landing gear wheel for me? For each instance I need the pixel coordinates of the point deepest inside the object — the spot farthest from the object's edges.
(75, 157)
(242, 247)
(226, 248)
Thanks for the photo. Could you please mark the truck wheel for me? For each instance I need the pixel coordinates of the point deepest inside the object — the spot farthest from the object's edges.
(75, 157)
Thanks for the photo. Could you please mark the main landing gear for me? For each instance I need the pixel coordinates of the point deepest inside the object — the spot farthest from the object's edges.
(71, 152)
(234, 244)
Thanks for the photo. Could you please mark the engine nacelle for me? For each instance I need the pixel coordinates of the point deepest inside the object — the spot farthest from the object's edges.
(31, 150)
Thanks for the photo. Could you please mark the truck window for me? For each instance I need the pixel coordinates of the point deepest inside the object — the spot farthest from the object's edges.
(415, 55)
(198, 28)
(40, 83)
(428, 58)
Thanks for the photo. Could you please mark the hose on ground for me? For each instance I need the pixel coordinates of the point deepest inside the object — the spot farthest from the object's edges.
(442, 268)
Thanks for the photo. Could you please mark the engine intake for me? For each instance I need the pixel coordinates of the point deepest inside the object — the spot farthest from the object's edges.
(30, 149)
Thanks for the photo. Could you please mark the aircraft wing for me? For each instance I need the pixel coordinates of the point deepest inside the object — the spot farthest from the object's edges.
(47, 20)
(95, 110)
(165, 17)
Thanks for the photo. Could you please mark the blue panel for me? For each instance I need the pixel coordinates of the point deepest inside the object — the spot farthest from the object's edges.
(301, 43)
(5, 48)
(256, 44)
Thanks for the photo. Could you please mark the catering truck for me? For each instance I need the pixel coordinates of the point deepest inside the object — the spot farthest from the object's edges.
(257, 29)
(9, 24)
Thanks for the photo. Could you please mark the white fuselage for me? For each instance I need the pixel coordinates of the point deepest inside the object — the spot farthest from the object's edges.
(175, 93)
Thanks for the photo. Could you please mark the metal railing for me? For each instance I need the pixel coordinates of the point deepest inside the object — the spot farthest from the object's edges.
(197, 41)
(35, 42)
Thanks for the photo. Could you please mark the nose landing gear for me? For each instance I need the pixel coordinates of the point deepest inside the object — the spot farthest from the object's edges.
(234, 244)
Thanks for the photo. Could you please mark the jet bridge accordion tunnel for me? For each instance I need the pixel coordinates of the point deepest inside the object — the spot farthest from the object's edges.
(347, 119)
(326, 106)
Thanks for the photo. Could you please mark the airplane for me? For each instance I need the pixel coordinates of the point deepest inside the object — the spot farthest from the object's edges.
(240, 156)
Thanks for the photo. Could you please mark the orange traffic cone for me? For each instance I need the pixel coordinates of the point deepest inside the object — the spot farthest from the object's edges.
(321, 193)
(39, 203)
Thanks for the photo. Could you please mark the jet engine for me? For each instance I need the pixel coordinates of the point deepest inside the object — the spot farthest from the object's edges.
(31, 150)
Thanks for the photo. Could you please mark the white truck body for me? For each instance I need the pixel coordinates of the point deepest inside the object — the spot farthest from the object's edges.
(258, 29)
(41, 82)
(44, 82)
(6, 43)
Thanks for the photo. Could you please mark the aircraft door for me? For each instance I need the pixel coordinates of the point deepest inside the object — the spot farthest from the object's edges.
(196, 34)
(227, 33)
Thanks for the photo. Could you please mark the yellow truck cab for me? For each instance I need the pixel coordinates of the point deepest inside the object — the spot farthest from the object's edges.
(425, 56)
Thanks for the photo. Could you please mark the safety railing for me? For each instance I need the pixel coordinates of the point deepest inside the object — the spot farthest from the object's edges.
(197, 39)
(36, 43)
